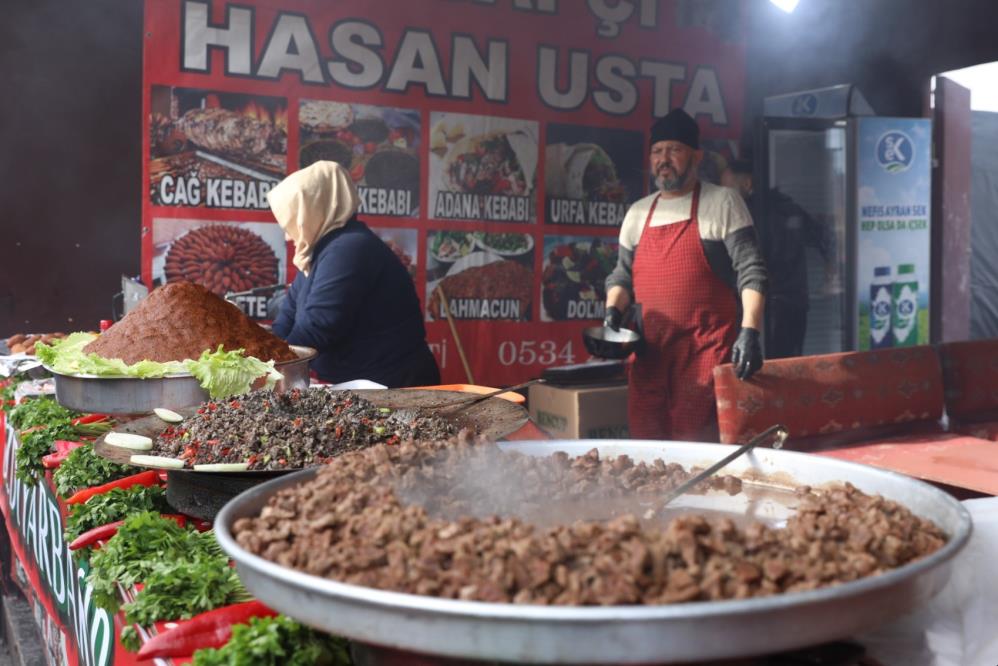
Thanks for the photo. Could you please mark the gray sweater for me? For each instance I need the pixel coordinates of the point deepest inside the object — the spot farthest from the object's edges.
(726, 234)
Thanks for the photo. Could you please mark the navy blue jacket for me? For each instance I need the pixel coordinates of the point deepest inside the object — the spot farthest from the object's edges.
(358, 307)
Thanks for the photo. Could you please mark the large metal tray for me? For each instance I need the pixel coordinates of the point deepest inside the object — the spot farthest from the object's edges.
(624, 634)
(128, 395)
(494, 418)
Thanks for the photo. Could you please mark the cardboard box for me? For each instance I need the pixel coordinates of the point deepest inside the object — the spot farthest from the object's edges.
(580, 412)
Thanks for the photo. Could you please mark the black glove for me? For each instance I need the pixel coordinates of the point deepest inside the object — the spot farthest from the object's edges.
(746, 355)
(613, 318)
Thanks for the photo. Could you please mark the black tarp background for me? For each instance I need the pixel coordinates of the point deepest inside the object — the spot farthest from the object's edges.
(984, 225)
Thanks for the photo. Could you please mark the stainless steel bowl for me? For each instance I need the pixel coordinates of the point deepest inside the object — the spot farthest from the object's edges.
(127, 395)
(604, 342)
(699, 631)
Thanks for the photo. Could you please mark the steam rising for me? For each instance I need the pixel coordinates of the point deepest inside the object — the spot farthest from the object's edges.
(484, 481)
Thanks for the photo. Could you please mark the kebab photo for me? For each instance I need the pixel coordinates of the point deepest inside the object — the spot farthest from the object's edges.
(479, 275)
(483, 168)
(225, 257)
(199, 136)
(379, 146)
(581, 171)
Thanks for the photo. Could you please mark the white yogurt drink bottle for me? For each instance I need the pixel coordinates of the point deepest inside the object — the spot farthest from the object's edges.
(881, 308)
(905, 292)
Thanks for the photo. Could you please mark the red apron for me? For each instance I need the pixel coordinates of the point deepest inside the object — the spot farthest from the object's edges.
(690, 323)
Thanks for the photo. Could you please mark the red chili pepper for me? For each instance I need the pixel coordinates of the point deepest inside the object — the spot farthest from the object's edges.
(62, 450)
(105, 532)
(90, 537)
(150, 478)
(211, 629)
(90, 418)
(65, 445)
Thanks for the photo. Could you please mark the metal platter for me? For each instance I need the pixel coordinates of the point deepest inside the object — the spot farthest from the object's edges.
(494, 418)
(128, 395)
(698, 631)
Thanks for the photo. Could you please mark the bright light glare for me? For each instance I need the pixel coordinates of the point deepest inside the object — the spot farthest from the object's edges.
(980, 80)
(786, 5)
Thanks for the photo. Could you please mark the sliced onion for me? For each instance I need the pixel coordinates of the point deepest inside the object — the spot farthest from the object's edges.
(222, 467)
(157, 461)
(168, 415)
(127, 440)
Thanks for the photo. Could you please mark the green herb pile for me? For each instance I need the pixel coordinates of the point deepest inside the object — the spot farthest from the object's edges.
(84, 469)
(182, 589)
(40, 421)
(183, 572)
(276, 641)
(144, 542)
(116, 504)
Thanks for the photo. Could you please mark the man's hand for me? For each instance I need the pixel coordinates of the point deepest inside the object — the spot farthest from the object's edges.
(746, 355)
(613, 318)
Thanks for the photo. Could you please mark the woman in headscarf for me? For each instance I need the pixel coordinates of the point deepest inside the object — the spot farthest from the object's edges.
(352, 300)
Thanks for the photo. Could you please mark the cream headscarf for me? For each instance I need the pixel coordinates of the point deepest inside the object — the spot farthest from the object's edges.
(310, 203)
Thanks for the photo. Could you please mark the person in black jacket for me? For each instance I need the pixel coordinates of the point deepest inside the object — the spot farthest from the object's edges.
(352, 300)
(787, 230)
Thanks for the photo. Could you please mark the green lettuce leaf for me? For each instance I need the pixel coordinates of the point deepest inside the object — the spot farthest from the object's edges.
(64, 355)
(225, 373)
(220, 373)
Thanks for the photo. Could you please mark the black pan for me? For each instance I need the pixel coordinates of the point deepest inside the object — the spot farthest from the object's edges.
(604, 342)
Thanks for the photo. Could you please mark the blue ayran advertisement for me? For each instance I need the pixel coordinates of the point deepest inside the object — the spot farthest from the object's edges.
(893, 205)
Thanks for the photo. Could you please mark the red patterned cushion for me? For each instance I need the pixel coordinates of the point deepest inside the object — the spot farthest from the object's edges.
(842, 397)
(970, 375)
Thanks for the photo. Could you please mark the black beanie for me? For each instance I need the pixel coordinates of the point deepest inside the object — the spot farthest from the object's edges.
(677, 125)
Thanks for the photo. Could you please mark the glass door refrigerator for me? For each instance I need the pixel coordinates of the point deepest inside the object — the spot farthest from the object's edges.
(842, 211)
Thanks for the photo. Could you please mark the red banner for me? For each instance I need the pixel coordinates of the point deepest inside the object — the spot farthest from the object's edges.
(496, 145)
(73, 630)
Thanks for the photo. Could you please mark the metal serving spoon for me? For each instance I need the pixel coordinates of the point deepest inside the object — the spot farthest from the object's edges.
(777, 433)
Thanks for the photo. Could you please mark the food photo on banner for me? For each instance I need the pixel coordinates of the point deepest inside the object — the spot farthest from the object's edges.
(479, 275)
(378, 145)
(404, 243)
(225, 257)
(483, 168)
(591, 174)
(573, 281)
(215, 149)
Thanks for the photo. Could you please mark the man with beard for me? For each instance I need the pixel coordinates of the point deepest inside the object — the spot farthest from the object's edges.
(689, 257)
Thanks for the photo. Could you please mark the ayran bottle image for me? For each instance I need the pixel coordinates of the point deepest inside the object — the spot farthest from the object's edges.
(881, 308)
(905, 321)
